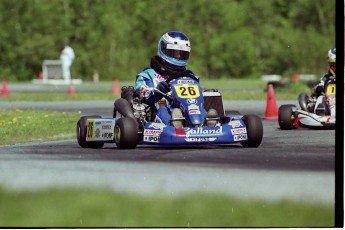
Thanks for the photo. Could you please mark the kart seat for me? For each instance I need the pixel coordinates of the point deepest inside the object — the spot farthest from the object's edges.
(213, 100)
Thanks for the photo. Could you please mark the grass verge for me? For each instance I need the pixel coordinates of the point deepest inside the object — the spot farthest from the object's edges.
(232, 89)
(103, 208)
(20, 126)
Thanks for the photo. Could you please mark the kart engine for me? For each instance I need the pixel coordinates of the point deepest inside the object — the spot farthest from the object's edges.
(139, 111)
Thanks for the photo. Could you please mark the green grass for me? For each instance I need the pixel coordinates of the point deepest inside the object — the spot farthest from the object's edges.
(58, 96)
(104, 208)
(231, 89)
(20, 126)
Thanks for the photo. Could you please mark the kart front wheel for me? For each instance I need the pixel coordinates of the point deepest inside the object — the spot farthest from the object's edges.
(285, 117)
(81, 133)
(126, 133)
(254, 131)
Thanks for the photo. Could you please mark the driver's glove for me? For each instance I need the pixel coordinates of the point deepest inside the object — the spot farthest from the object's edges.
(163, 86)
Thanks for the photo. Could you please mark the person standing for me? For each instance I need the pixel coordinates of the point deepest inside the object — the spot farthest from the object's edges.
(67, 56)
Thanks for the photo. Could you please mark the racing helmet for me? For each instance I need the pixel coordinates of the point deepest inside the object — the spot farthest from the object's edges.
(174, 49)
(331, 61)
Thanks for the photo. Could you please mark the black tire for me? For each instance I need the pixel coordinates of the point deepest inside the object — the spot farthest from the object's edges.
(126, 133)
(81, 133)
(285, 118)
(303, 99)
(114, 113)
(254, 131)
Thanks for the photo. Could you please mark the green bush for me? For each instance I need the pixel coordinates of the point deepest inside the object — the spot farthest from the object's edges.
(233, 39)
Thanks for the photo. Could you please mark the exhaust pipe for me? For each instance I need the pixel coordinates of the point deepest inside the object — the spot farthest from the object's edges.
(303, 100)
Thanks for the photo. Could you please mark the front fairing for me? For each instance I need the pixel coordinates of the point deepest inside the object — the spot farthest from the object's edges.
(330, 95)
(188, 97)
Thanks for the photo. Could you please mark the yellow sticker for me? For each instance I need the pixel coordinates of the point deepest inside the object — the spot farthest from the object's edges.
(89, 129)
(187, 91)
(330, 89)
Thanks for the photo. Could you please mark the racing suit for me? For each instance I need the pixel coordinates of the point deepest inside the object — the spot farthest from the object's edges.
(319, 88)
(147, 81)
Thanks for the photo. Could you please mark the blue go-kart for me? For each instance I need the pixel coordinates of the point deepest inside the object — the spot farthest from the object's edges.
(133, 121)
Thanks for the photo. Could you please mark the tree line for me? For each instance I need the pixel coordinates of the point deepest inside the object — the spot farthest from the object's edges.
(116, 38)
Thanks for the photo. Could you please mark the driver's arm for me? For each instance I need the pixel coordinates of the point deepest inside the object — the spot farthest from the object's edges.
(144, 86)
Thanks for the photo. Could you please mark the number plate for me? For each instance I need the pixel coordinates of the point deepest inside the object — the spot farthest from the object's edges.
(188, 91)
(330, 89)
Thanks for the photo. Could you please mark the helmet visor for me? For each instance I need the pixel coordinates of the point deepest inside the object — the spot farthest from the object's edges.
(177, 54)
(176, 51)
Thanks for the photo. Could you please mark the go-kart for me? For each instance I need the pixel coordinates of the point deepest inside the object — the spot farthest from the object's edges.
(133, 121)
(320, 116)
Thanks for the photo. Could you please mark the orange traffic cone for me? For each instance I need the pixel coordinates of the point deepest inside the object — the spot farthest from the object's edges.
(71, 90)
(116, 88)
(40, 76)
(4, 89)
(295, 77)
(271, 104)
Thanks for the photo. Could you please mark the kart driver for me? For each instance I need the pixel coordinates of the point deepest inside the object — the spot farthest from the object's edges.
(319, 88)
(173, 54)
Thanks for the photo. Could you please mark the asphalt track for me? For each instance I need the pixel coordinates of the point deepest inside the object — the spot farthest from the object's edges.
(288, 165)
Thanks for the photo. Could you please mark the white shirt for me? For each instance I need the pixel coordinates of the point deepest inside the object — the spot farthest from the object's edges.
(67, 54)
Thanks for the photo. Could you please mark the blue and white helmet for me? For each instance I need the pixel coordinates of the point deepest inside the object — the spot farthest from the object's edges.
(331, 58)
(174, 49)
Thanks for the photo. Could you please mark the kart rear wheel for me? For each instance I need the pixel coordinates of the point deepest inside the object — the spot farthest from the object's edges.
(81, 133)
(285, 117)
(126, 133)
(254, 131)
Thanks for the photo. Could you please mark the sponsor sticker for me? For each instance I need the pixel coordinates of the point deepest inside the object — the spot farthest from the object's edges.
(235, 124)
(200, 139)
(159, 126)
(193, 106)
(145, 92)
(192, 101)
(89, 129)
(161, 77)
(152, 132)
(178, 47)
(241, 137)
(238, 131)
(100, 129)
(198, 132)
(194, 111)
(108, 136)
(97, 133)
(151, 138)
(185, 82)
(106, 127)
